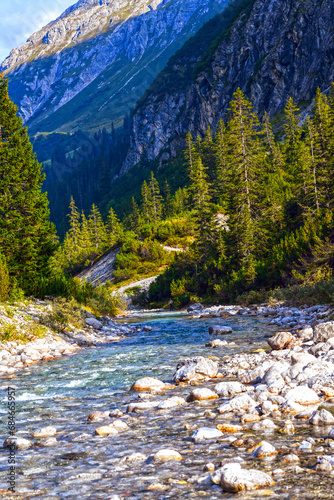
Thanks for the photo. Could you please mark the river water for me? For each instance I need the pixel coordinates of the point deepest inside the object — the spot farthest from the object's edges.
(62, 393)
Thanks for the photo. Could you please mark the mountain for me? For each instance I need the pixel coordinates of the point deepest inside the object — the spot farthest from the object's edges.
(87, 68)
(272, 49)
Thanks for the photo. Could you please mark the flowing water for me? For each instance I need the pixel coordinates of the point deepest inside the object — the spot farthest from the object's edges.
(62, 393)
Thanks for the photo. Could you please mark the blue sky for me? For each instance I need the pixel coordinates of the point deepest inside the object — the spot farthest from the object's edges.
(21, 18)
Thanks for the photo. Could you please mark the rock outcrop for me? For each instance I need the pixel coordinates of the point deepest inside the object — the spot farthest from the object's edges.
(275, 50)
(89, 66)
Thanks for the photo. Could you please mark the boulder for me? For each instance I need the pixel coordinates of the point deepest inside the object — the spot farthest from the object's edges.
(16, 443)
(195, 368)
(216, 343)
(323, 332)
(306, 333)
(148, 384)
(195, 308)
(229, 428)
(302, 395)
(98, 415)
(243, 402)
(280, 341)
(45, 432)
(235, 479)
(219, 330)
(226, 389)
(135, 457)
(321, 417)
(94, 323)
(106, 430)
(142, 406)
(206, 433)
(264, 450)
(264, 425)
(171, 403)
(201, 394)
(166, 454)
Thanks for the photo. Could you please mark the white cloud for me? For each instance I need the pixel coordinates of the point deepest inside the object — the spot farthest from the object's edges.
(20, 18)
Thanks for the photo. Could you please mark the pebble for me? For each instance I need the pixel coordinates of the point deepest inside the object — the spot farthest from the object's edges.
(229, 428)
(106, 430)
(18, 443)
(264, 425)
(226, 389)
(171, 403)
(321, 417)
(290, 458)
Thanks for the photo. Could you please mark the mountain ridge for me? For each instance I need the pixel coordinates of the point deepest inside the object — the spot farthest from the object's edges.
(280, 49)
(123, 46)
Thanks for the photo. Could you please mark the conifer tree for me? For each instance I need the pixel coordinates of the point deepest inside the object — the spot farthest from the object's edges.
(246, 163)
(155, 199)
(146, 202)
(221, 191)
(134, 217)
(74, 217)
(27, 238)
(114, 227)
(96, 228)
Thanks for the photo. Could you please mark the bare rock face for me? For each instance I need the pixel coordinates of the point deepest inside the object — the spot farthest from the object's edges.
(75, 58)
(283, 49)
(195, 368)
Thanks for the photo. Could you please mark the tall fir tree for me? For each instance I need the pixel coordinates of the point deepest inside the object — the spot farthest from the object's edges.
(246, 164)
(27, 238)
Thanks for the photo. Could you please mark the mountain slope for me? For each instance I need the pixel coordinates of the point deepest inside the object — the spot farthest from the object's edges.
(273, 50)
(88, 68)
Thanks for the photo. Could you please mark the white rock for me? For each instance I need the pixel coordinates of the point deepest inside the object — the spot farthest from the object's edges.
(171, 403)
(235, 479)
(243, 402)
(264, 425)
(205, 433)
(148, 384)
(322, 417)
(45, 432)
(201, 394)
(167, 454)
(264, 450)
(226, 389)
(94, 323)
(302, 395)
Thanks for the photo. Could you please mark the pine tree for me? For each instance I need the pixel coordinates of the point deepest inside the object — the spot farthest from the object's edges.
(155, 198)
(27, 238)
(74, 217)
(296, 157)
(134, 217)
(246, 164)
(113, 228)
(220, 147)
(146, 203)
(96, 228)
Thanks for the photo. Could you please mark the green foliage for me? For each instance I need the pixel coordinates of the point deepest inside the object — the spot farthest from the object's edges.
(27, 239)
(4, 279)
(262, 210)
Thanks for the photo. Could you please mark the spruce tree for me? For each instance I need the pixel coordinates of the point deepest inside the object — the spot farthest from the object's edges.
(27, 238)
(146, 203)
(96, 228)
(155, 199)
(246, 164)
(113, 227)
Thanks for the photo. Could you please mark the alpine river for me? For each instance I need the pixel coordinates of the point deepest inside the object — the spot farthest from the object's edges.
(80, 465)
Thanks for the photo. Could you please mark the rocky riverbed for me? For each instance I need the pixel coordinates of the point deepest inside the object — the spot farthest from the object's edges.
(252, 414)
(39, 340)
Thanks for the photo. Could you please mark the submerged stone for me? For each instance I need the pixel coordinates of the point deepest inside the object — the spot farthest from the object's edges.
(235, 479)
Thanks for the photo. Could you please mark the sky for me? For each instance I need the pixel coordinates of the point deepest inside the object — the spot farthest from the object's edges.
(20, 18)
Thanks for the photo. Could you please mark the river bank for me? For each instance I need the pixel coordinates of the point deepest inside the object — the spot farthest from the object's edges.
(96, 427)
